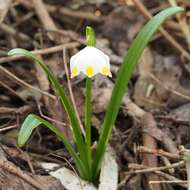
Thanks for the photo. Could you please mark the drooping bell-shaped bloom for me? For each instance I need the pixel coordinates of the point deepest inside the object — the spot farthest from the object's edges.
(90, 61)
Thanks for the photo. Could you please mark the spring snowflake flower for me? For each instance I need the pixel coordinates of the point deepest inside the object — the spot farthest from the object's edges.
(90, 61)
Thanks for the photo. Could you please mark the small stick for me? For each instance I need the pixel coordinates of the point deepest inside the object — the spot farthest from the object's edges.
(75, 14)
(172, 41)
(44, 16)
(42, 13)
(19, 81)
(11, 90)
(28, 161)
(155, 170)
(159, 152)
(8, 166)
(49, 118)
(167, 162)
(168, 88)
(8, 128)
(171, 178)
(148, 123)
(11, 31)
(66, 12)
(44, 51)
(147, 170)
(137, 112)
(71, 91)
(173, 120)
(169, 182)
(182, 23)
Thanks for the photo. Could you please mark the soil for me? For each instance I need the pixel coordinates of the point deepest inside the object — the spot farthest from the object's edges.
(152, 131)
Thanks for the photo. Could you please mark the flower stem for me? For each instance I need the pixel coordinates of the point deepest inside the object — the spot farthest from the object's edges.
(88, 120)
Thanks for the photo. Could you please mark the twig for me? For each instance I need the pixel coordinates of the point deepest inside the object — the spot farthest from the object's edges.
(21, 82)
(172, 41)
(8, 166)
(44, 51)
(67, 12)
(158, 152)
(148, 123)
(76, 37)
(71, 91)
(138, 113)
(173, 120)
(182, 23)
(12, 91)
(169, 182)
(8, 128)
(75, 13)
(71, 166)
(44, 16)
(167, 88)
(57, 48)
(22, 20)
(171, 178)
(50, 119)
(134, 110)
(11, 31)
(152, 169)
(27, 157)
(156, 170)
(7, 110)
(167, 162)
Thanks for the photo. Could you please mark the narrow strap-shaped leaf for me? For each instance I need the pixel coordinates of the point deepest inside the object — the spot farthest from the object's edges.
(64, 99)
(124, 74)
(31, 122)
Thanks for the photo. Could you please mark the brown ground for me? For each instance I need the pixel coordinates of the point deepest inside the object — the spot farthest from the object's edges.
(154, 121)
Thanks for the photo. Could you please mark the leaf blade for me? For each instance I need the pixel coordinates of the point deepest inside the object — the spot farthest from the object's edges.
(64, 99)
(31, 122)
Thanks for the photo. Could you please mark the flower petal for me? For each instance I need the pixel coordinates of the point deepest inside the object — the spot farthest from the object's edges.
(89, 71)
(74, 72)
(90, 61)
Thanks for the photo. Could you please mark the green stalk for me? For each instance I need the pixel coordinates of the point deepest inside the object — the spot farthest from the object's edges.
(124, 74)
(88, 111)
(88, 121)
(91, 41)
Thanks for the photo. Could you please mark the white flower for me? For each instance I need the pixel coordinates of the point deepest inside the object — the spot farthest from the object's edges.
(90, 61)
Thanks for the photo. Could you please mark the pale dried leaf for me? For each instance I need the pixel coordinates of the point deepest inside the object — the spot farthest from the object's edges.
(109, 171)
(144, 91)
(70, 181)
(68, 178)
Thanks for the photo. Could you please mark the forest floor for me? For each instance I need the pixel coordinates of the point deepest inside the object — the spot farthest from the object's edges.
(152, 130)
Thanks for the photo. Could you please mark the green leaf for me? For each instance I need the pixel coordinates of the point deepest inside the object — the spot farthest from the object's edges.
(124, 74)
(64, 100)
(33, 121)
(186, 156)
